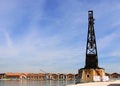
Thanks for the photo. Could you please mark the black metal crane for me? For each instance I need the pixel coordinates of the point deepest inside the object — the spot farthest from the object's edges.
(91, 47)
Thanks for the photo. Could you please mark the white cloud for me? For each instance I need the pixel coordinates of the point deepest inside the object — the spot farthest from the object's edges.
(55, 45)
(106, 41)
(34, 48)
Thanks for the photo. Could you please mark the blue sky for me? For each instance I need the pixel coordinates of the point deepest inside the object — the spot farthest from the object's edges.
(51, 34)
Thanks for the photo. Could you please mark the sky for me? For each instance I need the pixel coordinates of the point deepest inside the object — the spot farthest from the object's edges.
(51, 35)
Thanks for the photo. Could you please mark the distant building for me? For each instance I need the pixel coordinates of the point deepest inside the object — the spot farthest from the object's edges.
(115, 75)
(36, 76)
(2, 75)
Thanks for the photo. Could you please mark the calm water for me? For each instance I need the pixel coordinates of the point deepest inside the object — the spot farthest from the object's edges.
(35, 83)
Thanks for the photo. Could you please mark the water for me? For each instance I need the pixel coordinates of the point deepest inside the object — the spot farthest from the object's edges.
(34, 83)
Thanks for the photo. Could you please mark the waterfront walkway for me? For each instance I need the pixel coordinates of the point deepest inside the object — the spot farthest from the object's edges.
(109, 83)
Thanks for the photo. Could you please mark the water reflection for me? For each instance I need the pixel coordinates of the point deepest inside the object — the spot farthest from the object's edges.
(35, 83)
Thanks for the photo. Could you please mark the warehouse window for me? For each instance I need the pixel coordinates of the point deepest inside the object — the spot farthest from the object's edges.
(88, 76)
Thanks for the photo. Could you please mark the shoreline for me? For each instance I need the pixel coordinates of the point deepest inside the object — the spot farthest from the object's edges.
(108, 83)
